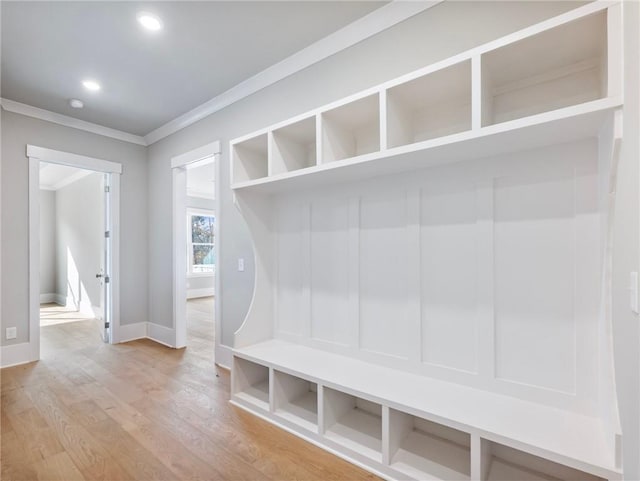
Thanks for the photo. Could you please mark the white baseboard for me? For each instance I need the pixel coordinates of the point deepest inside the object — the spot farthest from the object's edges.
(52, 297)
(205, 292)
(131, 332)
(161, 334)
(146, 330)
(15, 354)
(223, 356)
(48, 298)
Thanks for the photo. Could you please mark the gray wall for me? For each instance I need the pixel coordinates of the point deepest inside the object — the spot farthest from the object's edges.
(17, 132)
(47, 242)
(79, 240)
(438, 33)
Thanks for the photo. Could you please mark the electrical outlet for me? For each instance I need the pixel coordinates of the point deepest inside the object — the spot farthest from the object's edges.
(12, 332)
(241, 265)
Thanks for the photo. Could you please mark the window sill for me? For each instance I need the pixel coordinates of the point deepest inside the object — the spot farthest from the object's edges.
(201, 274)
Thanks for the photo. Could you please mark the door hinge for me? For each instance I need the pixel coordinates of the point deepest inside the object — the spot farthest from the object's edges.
(107, 189)
(107, 279)
(107, 234)
(106, 325)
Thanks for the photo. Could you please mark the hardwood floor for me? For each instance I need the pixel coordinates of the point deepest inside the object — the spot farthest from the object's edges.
(51, 314)
(141, 411)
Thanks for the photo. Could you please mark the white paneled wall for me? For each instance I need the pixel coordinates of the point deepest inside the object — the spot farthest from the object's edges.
(329, 280)
(487, 273)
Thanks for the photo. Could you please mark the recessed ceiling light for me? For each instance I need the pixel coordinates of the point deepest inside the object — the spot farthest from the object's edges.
(76, 104)
(91, 85)
(149, 21)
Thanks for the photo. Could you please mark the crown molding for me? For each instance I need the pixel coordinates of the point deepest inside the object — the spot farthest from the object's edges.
(375, 22)
(42, 114)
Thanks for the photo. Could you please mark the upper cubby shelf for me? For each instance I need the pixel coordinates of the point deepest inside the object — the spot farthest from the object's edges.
(560, 67)
(250, 159)
(553, 82)
(351, 130)
(431, 106)
(294, 147)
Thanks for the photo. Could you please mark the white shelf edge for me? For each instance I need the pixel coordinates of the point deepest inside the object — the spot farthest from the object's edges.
(574, 111)
(416, 464)
(252, 400)
(578, 463)
(356, 442)
(290, 409)
(377, 469)
(557, 21)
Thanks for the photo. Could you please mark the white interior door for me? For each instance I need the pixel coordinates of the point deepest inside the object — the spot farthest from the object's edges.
(105, 271)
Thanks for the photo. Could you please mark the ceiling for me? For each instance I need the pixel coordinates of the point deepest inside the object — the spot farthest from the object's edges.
(201, 181)
(150, 78)
(57, 176)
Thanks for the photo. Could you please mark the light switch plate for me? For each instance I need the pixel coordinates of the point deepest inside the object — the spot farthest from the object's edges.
(12, 332)
(241, 265)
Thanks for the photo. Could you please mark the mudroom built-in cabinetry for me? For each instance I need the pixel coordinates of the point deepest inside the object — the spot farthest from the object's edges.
(432, 263)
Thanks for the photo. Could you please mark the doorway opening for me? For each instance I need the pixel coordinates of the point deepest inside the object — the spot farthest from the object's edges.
(201, 262)
(196, 251)
(73, 246)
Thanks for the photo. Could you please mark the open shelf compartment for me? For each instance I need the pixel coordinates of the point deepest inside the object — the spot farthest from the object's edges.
(560, 67)
(354, 423)
(421, 449)
(503, 463)
(431, 106)
(296, 400)
(250, 159)
(294, 147)
(351, 130)
(251, 382)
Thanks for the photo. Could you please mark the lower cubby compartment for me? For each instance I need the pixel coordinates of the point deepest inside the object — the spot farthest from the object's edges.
(296, 400)
(413, 429)
(354, 423)
(503, 463)
(251, 382)
(421, 449)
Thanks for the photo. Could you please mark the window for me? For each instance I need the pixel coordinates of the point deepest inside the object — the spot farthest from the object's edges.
(201, 258)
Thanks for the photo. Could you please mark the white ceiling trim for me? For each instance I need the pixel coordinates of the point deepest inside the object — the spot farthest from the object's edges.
(363, 28)
(42, 114)
(200, 194)
(81, 174)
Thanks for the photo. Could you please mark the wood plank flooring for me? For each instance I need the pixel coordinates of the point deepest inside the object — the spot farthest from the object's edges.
(141, 411)
(51, 314)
